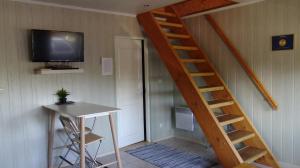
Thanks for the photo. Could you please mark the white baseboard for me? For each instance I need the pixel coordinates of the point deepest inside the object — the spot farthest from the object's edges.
(165, 138)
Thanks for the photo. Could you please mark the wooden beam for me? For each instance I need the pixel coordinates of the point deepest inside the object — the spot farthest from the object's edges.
(189, 7)
(242, 62)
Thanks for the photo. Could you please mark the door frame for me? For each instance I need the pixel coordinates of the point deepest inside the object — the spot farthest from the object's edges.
(146, 103)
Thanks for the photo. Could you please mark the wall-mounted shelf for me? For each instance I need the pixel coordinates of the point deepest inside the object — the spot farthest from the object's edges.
(51, 71)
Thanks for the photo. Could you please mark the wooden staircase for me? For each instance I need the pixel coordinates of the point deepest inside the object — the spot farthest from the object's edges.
(225, 124)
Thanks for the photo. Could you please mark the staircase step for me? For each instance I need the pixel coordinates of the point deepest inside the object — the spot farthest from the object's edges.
(211, 89)
(251, 154)
(229, 119)
(220, 103)
(240, 136)
(202, 74)
(193, 60)
(168, 24)
(187, 48)
(160, 18)
(161, 13)
(177, 36)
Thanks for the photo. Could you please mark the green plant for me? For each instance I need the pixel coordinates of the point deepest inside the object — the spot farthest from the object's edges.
(62, 95)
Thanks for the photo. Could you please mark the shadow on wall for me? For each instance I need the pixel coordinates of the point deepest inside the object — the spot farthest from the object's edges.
(161, 97)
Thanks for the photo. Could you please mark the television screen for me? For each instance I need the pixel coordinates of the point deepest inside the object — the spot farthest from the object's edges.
(57, 46)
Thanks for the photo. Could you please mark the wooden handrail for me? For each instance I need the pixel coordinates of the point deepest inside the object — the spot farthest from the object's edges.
(242, 62)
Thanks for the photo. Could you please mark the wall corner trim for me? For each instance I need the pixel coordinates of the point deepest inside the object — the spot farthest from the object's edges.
(74, 8)
(223, 8)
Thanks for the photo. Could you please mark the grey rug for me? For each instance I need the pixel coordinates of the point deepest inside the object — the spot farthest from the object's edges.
(164, 156)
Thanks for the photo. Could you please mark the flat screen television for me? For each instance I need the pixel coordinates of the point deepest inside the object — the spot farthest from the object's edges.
(57, 46)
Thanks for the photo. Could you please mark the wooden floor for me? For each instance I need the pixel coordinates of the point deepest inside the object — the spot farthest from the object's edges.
(132, 162)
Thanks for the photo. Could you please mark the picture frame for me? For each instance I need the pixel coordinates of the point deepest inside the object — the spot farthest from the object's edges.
(283, 42)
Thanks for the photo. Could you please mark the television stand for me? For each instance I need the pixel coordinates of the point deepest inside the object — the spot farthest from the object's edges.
(48, 71)
(60, 67)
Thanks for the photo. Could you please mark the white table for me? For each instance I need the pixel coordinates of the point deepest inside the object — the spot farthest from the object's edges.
(81, 111)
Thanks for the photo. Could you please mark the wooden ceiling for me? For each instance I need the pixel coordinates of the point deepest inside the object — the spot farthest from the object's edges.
(190, 7)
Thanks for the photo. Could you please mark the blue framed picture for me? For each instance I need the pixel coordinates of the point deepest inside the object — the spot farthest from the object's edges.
(283, 42)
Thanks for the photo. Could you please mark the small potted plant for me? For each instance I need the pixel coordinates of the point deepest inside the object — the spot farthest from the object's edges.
(62, 95)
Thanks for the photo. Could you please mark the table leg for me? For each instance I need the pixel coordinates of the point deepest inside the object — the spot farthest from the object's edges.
(115, 141)
(82, 142)
(51, 139)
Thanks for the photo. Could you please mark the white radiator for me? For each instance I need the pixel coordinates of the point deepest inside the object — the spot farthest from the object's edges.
(184, 118)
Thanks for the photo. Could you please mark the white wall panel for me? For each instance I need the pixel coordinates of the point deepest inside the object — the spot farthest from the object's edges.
(23, 124)
(250, 28)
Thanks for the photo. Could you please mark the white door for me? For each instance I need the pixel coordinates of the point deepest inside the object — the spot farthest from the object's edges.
(129, 79)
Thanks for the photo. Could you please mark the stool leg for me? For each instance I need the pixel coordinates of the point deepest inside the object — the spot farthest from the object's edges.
(82, 142)
(115, 141)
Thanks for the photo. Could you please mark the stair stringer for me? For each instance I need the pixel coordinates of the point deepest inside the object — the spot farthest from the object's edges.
(215, 134)
(236, 109)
